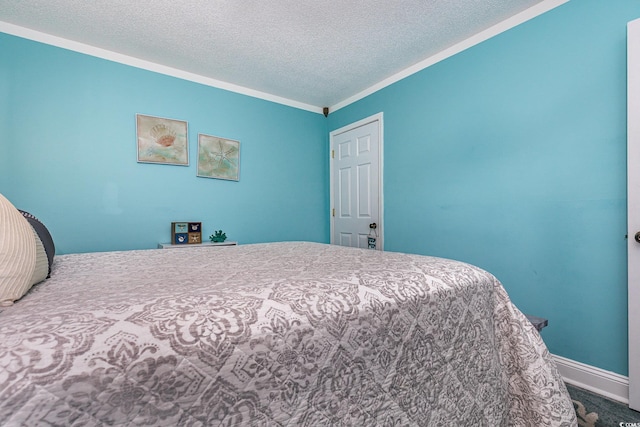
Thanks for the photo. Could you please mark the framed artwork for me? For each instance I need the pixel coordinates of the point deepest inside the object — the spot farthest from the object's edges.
(218, 158)
(186, 233)
(162, 141)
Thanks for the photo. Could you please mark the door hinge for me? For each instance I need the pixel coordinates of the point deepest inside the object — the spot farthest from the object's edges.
(333, 154)
(333, 212)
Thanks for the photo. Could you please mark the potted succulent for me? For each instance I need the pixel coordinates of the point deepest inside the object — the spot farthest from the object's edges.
(218, 237)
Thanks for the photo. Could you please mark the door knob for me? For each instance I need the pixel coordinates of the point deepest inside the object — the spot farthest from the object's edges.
(637, 237)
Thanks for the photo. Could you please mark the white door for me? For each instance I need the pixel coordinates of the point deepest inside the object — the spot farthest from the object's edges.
(356, 184)
(633, 207)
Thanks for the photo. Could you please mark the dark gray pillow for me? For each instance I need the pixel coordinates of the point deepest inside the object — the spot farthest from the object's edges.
(44, 235)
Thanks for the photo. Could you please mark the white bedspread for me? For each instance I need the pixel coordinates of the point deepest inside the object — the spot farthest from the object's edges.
(280, 334)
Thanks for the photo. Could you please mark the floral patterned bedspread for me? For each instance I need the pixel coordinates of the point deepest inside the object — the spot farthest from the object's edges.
(278, 334)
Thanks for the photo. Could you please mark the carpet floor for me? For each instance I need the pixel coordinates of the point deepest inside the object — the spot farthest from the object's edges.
(594, 410)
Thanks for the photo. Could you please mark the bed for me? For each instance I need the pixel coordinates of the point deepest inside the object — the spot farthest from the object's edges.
(274, 334)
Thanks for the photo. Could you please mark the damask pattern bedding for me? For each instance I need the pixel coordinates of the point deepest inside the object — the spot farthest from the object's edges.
(279, 334)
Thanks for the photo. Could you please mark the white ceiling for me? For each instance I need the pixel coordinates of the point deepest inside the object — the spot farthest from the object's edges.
(307, 53)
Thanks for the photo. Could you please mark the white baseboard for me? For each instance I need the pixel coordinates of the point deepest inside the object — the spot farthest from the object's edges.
(605, 383)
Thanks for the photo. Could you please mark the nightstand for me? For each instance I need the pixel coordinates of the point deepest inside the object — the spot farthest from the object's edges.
(538, 322)
(195, 245)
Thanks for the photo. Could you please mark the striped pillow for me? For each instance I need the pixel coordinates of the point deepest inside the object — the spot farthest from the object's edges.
(23, 260)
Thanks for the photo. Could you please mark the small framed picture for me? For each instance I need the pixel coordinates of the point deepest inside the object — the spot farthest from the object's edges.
(218, 158)
(183, 233)
(162, 141)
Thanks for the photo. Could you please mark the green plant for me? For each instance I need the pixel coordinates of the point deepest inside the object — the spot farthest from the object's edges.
(218, 236)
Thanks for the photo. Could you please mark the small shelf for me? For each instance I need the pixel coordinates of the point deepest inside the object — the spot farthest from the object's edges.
(194, 245)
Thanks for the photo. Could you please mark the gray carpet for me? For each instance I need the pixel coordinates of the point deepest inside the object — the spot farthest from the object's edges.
(597, 411)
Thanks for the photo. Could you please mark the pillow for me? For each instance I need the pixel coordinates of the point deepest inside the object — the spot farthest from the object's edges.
(44, 236)
(23, 260)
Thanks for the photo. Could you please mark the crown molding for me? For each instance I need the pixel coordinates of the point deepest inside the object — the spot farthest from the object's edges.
(97, 52)
(499, 28)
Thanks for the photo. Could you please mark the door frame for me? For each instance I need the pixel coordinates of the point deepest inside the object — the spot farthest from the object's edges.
(633, 208)
(332, 135)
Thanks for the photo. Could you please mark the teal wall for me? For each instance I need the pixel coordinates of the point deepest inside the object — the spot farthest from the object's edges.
(68, 155)
(5, 137)
(512, 156)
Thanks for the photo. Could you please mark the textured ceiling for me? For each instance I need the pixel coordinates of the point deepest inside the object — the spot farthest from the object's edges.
(318, 53)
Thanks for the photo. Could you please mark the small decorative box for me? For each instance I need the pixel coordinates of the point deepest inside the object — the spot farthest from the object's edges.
(186, 233)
